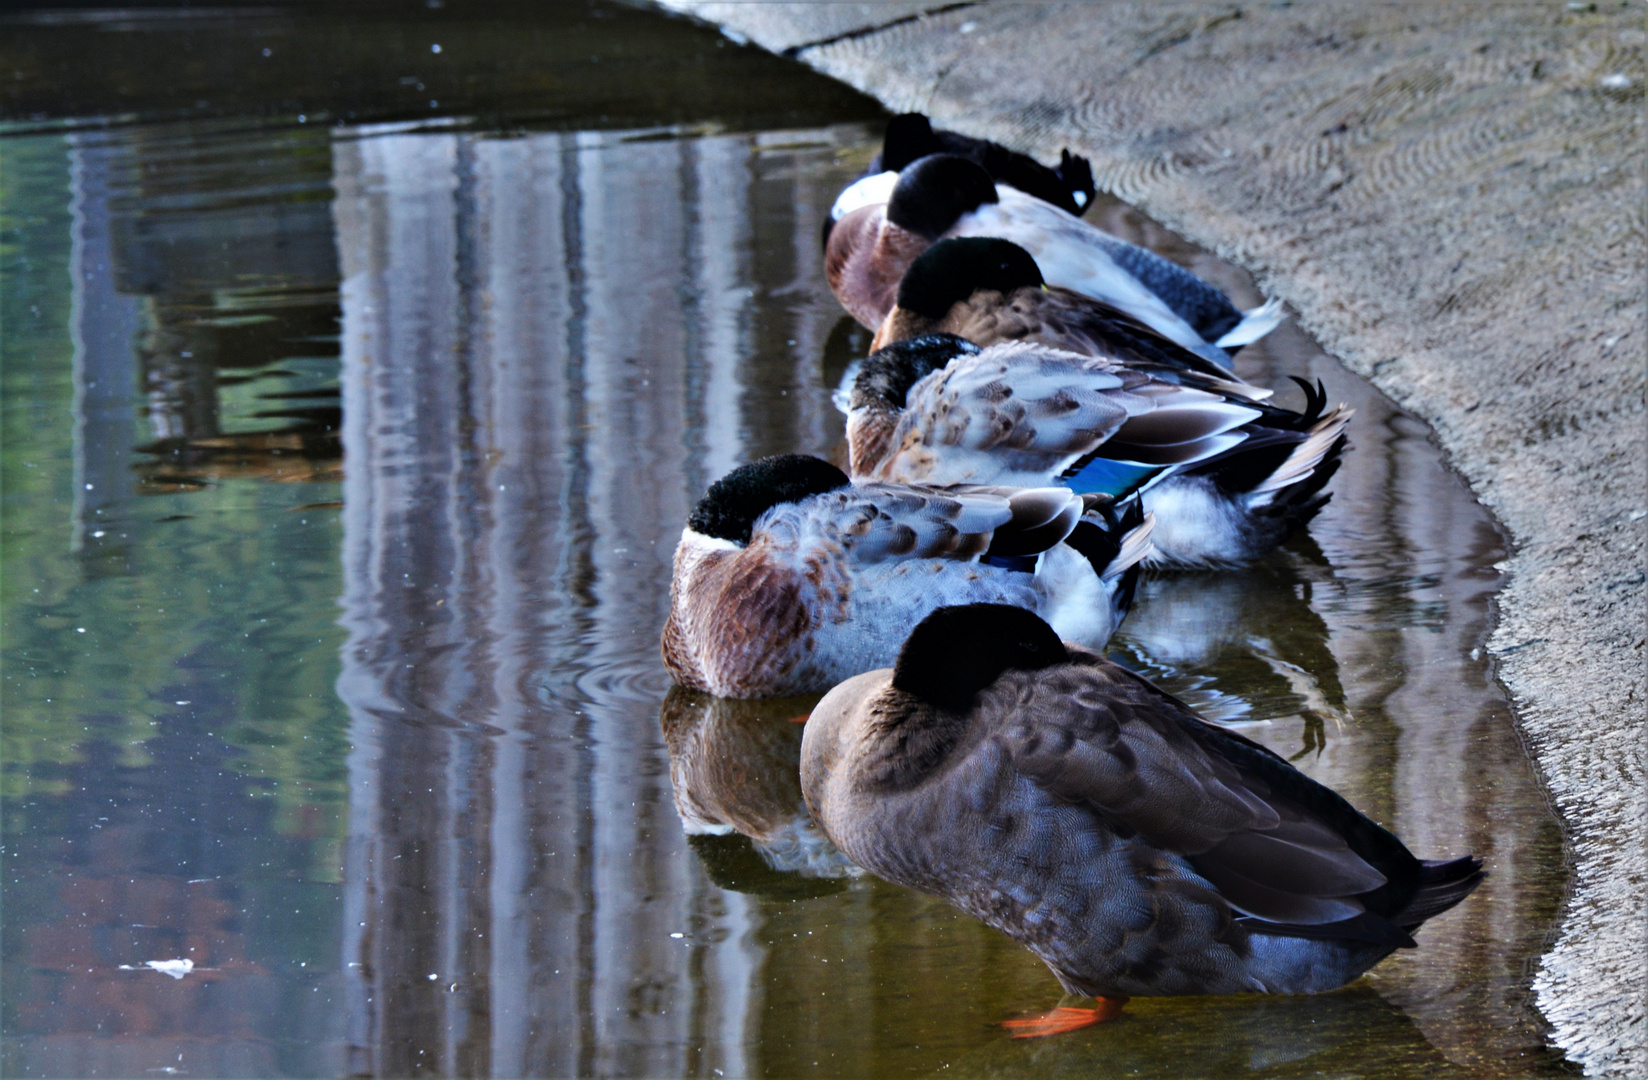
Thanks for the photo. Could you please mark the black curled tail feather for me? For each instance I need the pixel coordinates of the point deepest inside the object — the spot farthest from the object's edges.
(1077, 173)
(1442, 884)
(1302, 420)
(1100, 546)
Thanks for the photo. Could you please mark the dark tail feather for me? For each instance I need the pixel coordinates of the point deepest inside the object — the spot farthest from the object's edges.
(1100, 546)
(1303, 501)
(1077, 174)
(1441, 886)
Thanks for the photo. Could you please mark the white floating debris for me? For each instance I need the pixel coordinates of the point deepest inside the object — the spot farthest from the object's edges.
(678, 937)
(1617, 81)
(175, 968)
(433, 976)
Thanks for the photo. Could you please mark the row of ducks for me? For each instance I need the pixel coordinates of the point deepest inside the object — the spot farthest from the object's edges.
(1044, 410)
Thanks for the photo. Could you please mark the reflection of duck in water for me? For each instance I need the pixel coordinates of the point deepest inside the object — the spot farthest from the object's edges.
(1241, 648)
(1135, 848)
(734, 767)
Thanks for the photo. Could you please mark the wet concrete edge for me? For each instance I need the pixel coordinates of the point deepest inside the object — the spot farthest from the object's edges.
(1507, 143)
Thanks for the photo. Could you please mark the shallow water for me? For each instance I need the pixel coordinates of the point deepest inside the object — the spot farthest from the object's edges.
(343, 462)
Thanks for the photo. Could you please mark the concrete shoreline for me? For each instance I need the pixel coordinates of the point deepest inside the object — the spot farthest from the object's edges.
(1451, 199)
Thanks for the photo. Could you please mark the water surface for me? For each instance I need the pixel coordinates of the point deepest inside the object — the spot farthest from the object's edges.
(343, 463)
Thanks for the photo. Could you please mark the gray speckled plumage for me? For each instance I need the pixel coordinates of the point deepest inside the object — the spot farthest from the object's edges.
(1133, 847)
(829, 586)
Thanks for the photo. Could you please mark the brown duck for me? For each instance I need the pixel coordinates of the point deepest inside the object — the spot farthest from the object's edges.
(1134, 847)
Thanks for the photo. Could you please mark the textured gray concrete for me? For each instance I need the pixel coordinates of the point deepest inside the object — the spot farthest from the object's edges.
(1450, 195)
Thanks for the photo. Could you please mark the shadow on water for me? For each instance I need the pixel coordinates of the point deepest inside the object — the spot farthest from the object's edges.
(461, 370)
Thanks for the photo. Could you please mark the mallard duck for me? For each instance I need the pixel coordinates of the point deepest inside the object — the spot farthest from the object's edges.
(1131, 845)
(880, 230)
(911, 137)
(788, 578)
(1227, 477)
(987, 290)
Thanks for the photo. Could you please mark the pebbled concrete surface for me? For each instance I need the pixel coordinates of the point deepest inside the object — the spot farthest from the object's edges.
(1451, 197)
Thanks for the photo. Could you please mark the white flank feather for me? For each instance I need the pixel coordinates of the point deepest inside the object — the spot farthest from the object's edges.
(1255, 324)
(872, 190)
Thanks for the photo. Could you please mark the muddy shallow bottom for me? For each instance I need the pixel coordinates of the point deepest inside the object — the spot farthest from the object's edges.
(343, 464)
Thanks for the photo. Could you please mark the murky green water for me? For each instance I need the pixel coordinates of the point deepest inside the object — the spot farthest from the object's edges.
(343, 462)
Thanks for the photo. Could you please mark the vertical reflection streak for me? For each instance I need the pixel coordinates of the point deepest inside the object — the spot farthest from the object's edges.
(537, 331)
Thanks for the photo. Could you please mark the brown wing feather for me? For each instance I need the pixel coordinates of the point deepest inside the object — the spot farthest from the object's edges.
(1097, 735)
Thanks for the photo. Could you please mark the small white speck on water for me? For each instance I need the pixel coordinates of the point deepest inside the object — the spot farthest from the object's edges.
(1617, 81)
(434, 48)
(433, 975)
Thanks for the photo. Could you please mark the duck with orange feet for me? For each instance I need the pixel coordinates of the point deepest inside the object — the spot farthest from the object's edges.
(1135, 848)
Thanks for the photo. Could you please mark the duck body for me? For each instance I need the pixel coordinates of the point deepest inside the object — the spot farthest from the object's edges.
(1135, 848)
(873, 241)
(988, 290)
(1225, 476)
(826, 581)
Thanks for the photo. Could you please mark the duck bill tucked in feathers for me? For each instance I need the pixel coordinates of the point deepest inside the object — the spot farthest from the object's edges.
(789, 579)
(1134, 847)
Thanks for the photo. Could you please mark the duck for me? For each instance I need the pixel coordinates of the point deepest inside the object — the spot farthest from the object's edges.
(986, 290)
(880, 230)
(1226, 478)
(1132, 846)
(789, 578)
(911, 137)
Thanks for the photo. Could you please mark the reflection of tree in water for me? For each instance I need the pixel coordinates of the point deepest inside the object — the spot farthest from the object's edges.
(1240, 648)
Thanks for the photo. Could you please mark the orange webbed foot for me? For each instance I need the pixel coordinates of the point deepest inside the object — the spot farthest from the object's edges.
(1064, 1018)
(802, 719)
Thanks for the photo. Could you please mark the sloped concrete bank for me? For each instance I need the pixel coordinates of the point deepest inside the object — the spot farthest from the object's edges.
(1450, 195)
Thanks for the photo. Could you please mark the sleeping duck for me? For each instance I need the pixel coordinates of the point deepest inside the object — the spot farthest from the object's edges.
(1134, 847)
(1226, 477)
(911, 136)
(879, 231)
(788, 578)
(988, 290)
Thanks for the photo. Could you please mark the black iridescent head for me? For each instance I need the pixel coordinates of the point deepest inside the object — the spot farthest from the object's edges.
(932, 193)
(731, 506)
(885, 377)
(909, 138)
(955, 652)
(952, 270)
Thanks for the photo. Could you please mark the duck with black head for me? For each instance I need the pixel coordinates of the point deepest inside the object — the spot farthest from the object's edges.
(1135, 848)
(911, 137)
(1226, 477)
(789, 578)
(873, 243)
